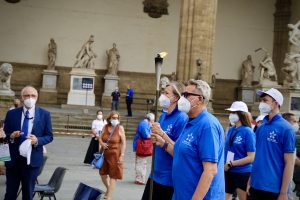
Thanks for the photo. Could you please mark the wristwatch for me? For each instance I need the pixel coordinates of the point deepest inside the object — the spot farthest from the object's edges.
(229, 165)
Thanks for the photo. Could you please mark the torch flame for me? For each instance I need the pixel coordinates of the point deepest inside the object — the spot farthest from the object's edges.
(163, 54)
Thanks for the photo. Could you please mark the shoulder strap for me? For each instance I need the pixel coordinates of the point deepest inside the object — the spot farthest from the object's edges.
(110, 135)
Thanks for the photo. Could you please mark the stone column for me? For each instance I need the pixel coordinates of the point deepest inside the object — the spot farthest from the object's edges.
(282, 17)
(196, 39)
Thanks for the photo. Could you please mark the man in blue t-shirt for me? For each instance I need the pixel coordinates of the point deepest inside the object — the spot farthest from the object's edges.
(275, 145)
(129, 99)
(198, 163)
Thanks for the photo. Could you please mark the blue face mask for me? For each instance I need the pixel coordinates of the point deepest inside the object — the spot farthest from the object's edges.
(114, 122)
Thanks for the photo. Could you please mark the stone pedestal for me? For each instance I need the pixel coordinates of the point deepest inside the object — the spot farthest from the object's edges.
(111, 82)
(7, 92)
(291, 102)
(48, 92)
(81, 78)
(247, 95)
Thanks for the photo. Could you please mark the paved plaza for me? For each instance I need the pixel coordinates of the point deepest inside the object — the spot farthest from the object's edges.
(69, 152)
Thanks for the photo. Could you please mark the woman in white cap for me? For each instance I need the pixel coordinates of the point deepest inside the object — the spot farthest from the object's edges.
(239, 151)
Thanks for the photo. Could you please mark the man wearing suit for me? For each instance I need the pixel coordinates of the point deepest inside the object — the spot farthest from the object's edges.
(26, 122)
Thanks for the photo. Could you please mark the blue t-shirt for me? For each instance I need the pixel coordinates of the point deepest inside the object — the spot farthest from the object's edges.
(201, 140)
(129, 95)
(239, 141)
(273, 139)
(172, 124)
(143, 130)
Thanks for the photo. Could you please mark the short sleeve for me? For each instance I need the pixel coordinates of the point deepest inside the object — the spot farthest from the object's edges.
(289, 141)
(209, 145)
(94, 125)
(250, 141)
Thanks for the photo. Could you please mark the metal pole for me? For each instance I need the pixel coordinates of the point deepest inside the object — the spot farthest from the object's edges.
(158, 65)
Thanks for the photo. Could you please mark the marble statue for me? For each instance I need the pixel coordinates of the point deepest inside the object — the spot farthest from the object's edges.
(86, 57)
(113, 58)
(6, 71)
(290, 69)
(52, 52)
(164, 81)
(294, 33)
(173, 76)
(247, 72)
(267, 68)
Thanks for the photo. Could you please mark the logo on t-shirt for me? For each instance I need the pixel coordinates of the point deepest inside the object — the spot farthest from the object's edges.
(238, 140)
(188, 139)
(272, 137)
(169, 129)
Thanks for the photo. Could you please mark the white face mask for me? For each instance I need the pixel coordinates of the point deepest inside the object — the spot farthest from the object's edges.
(114, 122)
(164, 101)
(233, 118)
(264, 108)
(296, 127)
(99, 117)
(184, 105)
(29, 102)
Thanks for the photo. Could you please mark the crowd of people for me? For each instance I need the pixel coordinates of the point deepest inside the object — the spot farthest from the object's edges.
(193, 157)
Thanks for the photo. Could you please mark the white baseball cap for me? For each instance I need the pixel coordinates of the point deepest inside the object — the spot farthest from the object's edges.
(260, 118)
(274, 93)
(238, 106)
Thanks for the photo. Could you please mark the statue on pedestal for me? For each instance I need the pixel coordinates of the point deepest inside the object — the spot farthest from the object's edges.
(267, 68)
(6, 71)
(52, 52)
(86, 57)
(113, 58)
(247, 72)
(290, 69)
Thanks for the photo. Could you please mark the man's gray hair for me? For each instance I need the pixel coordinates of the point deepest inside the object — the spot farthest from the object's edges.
(29, 86)
(150, 116)
(203, 87)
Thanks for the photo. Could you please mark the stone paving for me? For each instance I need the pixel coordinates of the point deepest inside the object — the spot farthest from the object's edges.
(69, 152)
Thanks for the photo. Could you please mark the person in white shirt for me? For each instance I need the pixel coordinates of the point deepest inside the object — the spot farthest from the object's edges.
(97, 127)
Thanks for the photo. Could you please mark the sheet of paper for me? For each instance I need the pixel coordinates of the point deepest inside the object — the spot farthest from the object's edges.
(230, 156)
(4, 152)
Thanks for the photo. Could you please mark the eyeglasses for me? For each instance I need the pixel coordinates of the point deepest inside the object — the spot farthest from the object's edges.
(115, 118)
(29, 95)
(187, 94)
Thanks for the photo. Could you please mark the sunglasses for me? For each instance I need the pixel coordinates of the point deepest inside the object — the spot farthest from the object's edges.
(187, 94)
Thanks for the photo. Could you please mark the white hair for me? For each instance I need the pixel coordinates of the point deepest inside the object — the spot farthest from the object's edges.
(27, 87)
(150, 116)
(203, 87)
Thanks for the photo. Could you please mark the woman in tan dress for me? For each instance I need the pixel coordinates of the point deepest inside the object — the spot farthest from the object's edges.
(112, 168)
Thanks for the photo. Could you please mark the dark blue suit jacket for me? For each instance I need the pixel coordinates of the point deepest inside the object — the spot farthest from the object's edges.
(42, 129)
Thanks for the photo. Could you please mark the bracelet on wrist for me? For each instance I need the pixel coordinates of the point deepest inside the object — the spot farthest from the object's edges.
(231, 165)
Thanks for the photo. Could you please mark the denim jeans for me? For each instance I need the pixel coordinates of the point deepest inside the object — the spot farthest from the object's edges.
(114, 105)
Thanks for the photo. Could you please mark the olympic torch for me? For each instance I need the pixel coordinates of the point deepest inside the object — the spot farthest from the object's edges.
(158, 64)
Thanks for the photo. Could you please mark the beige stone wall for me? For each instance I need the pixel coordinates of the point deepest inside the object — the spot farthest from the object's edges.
(242, 27)
(27, 27)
